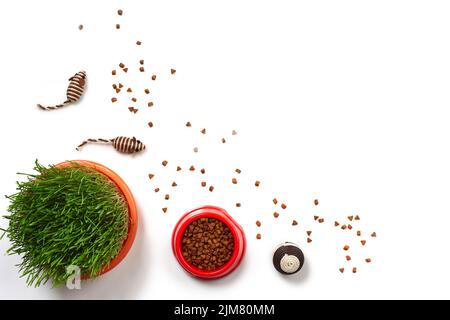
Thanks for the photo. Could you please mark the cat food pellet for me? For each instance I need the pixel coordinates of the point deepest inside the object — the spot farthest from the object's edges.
(156, 189)
(150, 124)
(283, 206)
(113, 100)
(120, 85)
(258, 236)
(223, 140)
(358, 233)
(234, 132)
(80, 27)
(363, 242)
(129, 90)
(316, 202)
(203, 131)
(258, 223)
(153, 77)
(117, 90)
(341, 270)
(164, 209)
(114, 86)
(147, 91)
(350, 218)
(125, 70)
(321, 220)
(294, 222)
(150, 104)
(203, 171)
(117, 26)
(172, 71)
(138, 43)
(133, 109)
(167, 197)
(234, 181)
(238, 205)
(211, 189)
(308, 233)
(348, 258)
(354, 270)
(141, 61)
(336, 224)
(178, 168)
(349, 227)
(357, 217)
(368, 260)
(188, 124)
(203, 184)
(275, 201)
(346, 248)
(151, 175)
(191, 168)
(238, 171)
(195, 149)
(164, 163)
(119, 12)
(141, 69)
(316, 217)
(121, 65)
(373, 234)
(344, 227)
(276, 214)
(113, 72)
(309, 240)
(257, 183)
(174, 184)
(133, 99)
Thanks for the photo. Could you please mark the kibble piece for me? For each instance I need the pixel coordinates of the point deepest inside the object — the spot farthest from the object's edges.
(80, 27)
(373, 234)
(191, 168)
(121, 65)
(357, 217)
(321, 220)
(238, 171)
(203, 131)
(150, 124)
(113, 72)
(113, 100)
(308, 233)
(178, 168)
(156, 189)
(283, 206)
(133, 109)
(349, 227)
(174, 184)
(167, 197)
(133, 99)
(172, 71)
(203, 184)
(257, 183)
(238, 205)
(350, 218)
(348, 258)
(234, 132)
(195, 149)
(129, 90)
(223, 140)
(358, 233)
(346, 248)
(138, 43)
(211, 188)
(294, 222)
(117, 26)
(203, 171)
(153, 77)
(117, 90)
(316, 217)
(120, 85)
(341, 270)
(164, 163)
(141, 69)
(336, 224)
(344, 227)
(316, 202)
(119, 12)
(234, 181)
(276, 214)
(150, 104)
(354, 270)
(125, 70)
(147, 91)
(258, 223)
(164, 209)
(275, 201)
(258, 236)
(309, 240)
(188, 124)
(114, 86)
(368, 260)
(363, 242)
(151, 175)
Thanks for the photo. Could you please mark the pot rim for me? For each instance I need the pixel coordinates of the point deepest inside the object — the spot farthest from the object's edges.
(223, 216)
(132, 209)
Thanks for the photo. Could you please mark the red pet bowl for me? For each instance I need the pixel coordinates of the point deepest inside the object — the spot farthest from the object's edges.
(236, 231)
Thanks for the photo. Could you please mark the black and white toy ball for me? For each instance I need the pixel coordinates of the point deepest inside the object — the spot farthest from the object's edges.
(288, 258)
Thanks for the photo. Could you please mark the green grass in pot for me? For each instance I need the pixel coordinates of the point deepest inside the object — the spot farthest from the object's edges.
(65, 216)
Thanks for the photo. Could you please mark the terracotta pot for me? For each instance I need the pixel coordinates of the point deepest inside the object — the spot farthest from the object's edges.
(132, 210)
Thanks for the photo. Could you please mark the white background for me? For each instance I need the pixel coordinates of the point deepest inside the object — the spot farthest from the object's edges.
(344, 101)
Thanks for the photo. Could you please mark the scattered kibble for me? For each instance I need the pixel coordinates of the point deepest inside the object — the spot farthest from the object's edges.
(133, 109)
(283, 206)
(234, 132)
(316, 202)
(346, 248)
(276, 214)
(147, 91)
(150, 124)
(114, 86)
(80, 27)
(153, 77)
(117, 90)
(188, 124)
(344, 227)
(357, 217)
(316, 217)
(141, 62)
(373, 234)
(172, 71)
(354, 270)
(133, 99)
(120, 85)
(150, 104)
(141, 69)
(223, 140)
(358, 233)
(191, 168)
(336, 224)
(156, 190)
(164, 163)
(363, 242)
(350, 218)
(164, 209)
(174, 184)
(321, 220)
(294, 222)
(151, 175)
(275, 201)
(119, 12)
(257, 183)
(117, 26)
(113, 100)
(121, 65)
(258, 223)
(309, 240)
(238, 171)
(138, 43)
(203, 184)
(125, 70)
(178, 168)
(258, 236)
(348, 258)
(113, 72)
(203, 131)
(195, 149)
(203, 171)
(211, 188)
(167, 197)
(238, 205)
(341, 270)
(368, 260)
(129, 90)
(234, 181)
(308, 233)
(349, 227)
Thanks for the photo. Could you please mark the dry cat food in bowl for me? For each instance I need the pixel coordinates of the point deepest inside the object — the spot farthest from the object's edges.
(208, 243)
